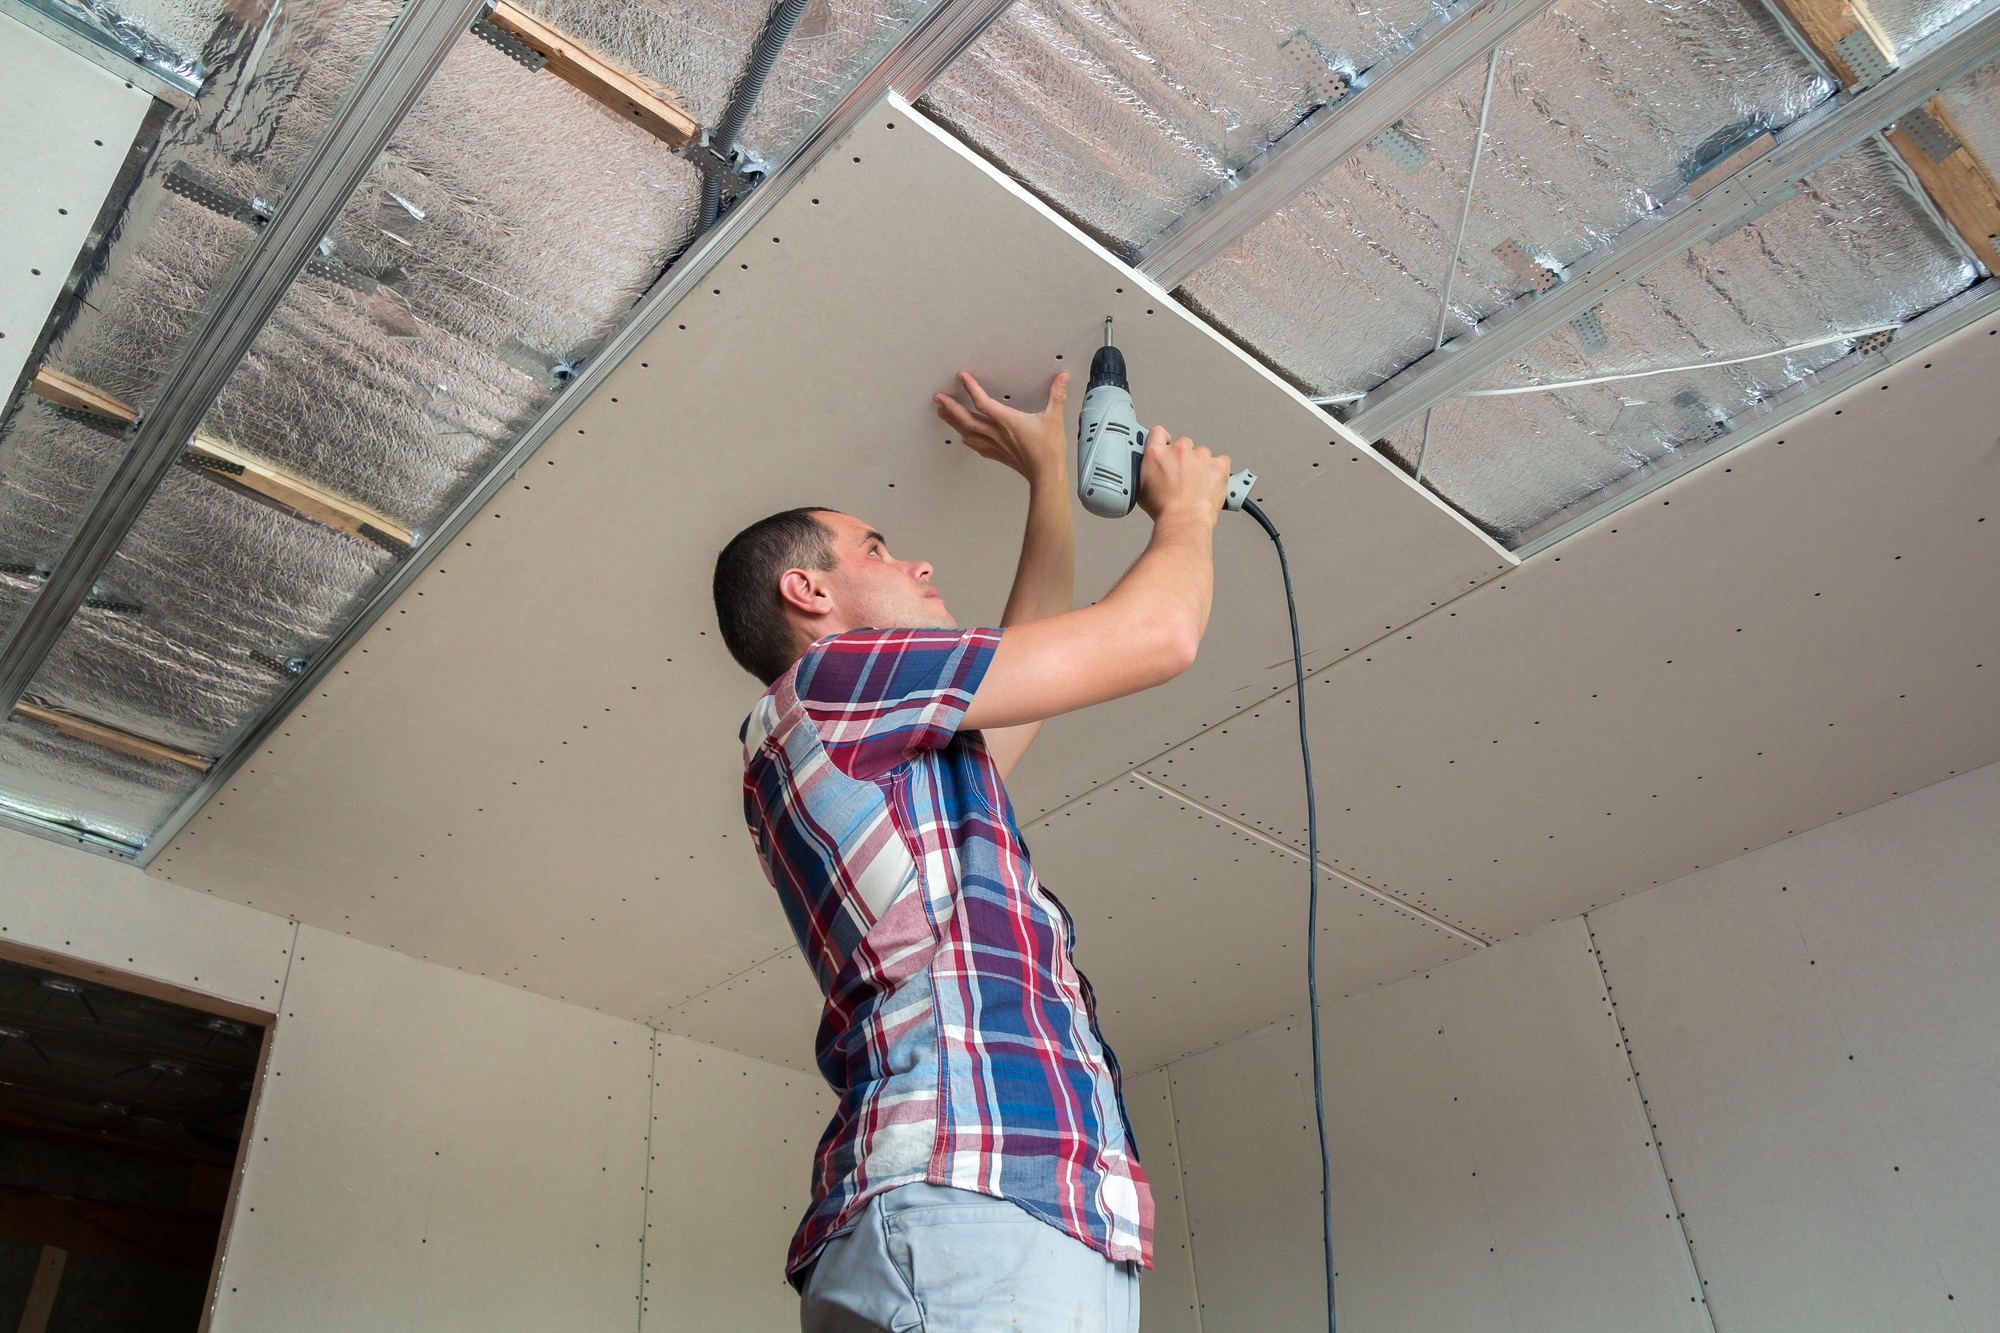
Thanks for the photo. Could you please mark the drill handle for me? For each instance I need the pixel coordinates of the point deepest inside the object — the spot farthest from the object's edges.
(1239, 489)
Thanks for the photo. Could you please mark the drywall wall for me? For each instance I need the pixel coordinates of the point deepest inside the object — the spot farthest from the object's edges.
(1814, 1027)
(1785, 1092)
(730, 1177)
(439, 1151)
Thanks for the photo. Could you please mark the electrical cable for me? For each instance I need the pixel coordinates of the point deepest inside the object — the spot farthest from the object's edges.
(1312, 903)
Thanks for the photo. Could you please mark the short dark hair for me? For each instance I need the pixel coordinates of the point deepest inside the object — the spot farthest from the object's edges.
(747, 604)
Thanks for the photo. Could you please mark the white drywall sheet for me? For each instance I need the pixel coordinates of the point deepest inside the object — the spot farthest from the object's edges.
(433, 1151)
(1491, 1163)
(1801, 630)
(1817, 1028)
(65, 126)
(730, 1177)
(90, 908)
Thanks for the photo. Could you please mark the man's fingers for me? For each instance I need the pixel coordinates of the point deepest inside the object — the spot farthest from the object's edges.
(980, 398)
(959, 417)
(1058, 391)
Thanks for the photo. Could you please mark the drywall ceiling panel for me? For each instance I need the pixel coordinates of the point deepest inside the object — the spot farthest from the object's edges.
(65, 127)
(1799, 630)
(1858, 1106)
(1191, 933)
(476, 1159)
(769, 1012)
(530, 768)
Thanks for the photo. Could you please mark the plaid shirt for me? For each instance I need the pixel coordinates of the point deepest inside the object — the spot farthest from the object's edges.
(957, 1031)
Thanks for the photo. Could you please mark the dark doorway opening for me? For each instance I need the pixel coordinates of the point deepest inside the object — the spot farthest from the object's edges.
(122, 1107)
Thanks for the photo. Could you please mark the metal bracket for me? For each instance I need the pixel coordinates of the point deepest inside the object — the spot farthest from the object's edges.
(1937, 142)
(740, 170)
(1396, 144)
(1866, 61)
(508, 44)
(1589, 331)
(180, 179)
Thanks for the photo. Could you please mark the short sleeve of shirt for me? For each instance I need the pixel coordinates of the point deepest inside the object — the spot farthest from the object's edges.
(878, 697)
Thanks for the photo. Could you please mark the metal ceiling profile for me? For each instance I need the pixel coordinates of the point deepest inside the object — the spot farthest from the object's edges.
(1840, 124)
(411, 53)
(936, 38)
(108, 39)
(1330, 135)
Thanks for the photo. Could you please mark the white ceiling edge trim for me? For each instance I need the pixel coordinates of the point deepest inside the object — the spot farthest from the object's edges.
(1150, 287)
(1339, 876)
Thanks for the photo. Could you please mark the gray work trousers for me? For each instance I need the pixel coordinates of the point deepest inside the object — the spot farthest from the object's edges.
(926, 1259)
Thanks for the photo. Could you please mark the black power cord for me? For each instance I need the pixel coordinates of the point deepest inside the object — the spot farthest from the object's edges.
(1312, 904)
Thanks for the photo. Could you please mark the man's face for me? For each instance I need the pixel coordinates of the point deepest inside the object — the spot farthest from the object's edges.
(874, 590)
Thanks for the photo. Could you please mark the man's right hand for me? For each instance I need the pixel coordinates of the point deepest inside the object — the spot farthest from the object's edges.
(1181, 475)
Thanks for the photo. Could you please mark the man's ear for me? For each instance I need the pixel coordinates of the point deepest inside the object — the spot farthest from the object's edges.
(804, 592)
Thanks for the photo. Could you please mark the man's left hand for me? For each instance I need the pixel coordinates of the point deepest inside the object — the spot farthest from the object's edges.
(1034, 444)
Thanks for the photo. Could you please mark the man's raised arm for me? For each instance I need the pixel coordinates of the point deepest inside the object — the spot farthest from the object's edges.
(1036, 446)
(1148, 627)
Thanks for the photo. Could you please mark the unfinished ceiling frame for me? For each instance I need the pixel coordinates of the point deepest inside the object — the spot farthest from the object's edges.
(937, 38)
(1746, 427)
(1843, 122)
(410, 54)
(1336, 131)
(174, 78)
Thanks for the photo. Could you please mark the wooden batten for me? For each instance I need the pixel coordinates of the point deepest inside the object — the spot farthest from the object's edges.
(63, 391)
(631, 95)
(1961, 187)
(112, 738)
(301, 496)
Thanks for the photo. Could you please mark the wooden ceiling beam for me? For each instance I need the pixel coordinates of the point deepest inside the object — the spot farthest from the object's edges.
(629, 95)
(229, 465)
(1959, 185)
(64, 391)
(112, 738)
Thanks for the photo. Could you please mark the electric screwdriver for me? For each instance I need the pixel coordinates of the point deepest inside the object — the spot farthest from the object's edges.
(1111, 444)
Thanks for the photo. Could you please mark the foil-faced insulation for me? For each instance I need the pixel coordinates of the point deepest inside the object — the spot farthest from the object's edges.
(698, 51)
(1973, 106)
(1601, 110)
(1907, 22)
(1126, 116)
(172, 33)
(1850, 251)
(474, 263)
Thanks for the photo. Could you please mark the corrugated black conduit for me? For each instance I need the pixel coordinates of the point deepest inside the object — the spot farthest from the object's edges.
(763, 59)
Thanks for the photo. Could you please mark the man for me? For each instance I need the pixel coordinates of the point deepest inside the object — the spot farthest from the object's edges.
(980, 1171)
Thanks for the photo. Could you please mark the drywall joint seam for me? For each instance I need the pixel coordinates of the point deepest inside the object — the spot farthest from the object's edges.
(1755, 424)
(1328, 137)
(1180, 1175)
(1652, 1130)
(1257, 834)
(1810, 142)
(415, 47)
(646, 1175)
(932, 42)
(1264, 699)
(706, 991)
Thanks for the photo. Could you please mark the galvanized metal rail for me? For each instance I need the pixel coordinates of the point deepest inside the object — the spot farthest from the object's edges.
(1329, 136)
(1804, 146)
(937, 38)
